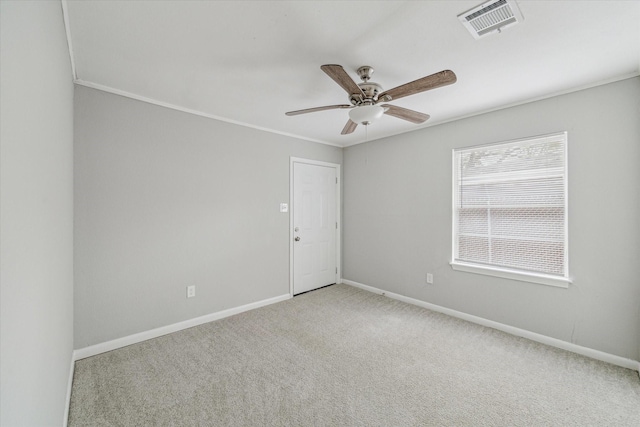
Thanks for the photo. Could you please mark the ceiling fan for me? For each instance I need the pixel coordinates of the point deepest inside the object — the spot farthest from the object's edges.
(365, 97)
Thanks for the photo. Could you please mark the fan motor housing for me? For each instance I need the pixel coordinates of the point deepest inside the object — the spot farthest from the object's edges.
(370, 90)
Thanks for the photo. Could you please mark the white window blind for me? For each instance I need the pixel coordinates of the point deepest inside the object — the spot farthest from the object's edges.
(510, 205)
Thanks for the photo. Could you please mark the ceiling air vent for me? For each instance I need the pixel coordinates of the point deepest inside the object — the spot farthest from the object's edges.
(491, 16)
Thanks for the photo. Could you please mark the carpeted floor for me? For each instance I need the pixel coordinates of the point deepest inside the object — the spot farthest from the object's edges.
(341, 356)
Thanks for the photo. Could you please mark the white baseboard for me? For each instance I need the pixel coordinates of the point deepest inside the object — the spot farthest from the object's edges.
(164, 330)
(533, 336)
(72, 368)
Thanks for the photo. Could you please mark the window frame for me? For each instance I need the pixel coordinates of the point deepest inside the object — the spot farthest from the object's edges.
(561, 281)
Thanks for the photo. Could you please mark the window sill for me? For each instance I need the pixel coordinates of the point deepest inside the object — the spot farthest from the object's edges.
(543, 279)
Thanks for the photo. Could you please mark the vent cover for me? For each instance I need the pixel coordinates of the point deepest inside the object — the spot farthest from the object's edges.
(491, 16)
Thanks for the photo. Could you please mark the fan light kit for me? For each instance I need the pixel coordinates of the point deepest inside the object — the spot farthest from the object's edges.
(364, 97)
(366, 114)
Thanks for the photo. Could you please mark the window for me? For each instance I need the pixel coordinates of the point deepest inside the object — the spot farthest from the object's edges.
(510, 209)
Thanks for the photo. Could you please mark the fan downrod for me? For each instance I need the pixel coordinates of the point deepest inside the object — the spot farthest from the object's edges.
(369, 89)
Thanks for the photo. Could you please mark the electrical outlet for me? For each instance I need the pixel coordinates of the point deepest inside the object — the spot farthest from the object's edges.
(191, 291)
(430, 278)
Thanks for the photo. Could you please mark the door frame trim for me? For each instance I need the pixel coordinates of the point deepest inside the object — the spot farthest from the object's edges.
(336, 166)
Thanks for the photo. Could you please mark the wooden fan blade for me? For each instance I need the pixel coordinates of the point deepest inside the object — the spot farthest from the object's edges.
(311, 110)
(433, 81)
(340, 76)
(405, 114)
(349, 127)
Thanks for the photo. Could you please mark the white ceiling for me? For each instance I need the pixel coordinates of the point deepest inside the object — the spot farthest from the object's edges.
(249, 62)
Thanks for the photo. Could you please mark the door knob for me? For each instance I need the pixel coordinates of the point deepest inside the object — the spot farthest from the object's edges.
(297, 239)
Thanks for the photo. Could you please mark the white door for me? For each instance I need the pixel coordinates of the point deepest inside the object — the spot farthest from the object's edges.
(314, 226)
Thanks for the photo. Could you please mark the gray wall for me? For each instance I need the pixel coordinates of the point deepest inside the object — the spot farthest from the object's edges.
(397, 219)
(36, 211)
(165, 199)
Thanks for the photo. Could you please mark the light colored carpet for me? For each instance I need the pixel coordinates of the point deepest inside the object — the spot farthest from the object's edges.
(341, 356)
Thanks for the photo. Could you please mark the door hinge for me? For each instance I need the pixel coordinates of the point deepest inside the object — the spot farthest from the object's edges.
(336, 179)
(336, 225)
(336, 270)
